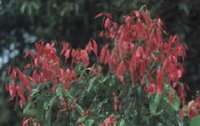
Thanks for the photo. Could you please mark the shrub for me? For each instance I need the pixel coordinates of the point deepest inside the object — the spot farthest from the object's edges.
(133, 80)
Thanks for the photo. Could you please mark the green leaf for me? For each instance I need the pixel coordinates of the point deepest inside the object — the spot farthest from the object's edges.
(121, 122)
(91, 84)
(79, 109)
(139, 90)
(46, 105)
(68, 94)
(23, 7)
(52, 101)
(195, 121)
(176, 104)
(156, 53)
(35, 6)
(34, 92)
(81, 119)
(27, 108)
(154, 104)
(30, 9)
(184, 7)
(59, 91)
(89, 122)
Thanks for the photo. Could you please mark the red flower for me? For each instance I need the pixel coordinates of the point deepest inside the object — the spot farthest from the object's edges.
(22, 101)
(120, 71)
(152, 88)
(110, 121)
(91, 46)
(159, 81)
(103, 53)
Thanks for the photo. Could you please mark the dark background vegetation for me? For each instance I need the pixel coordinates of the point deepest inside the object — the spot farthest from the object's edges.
(24, 22)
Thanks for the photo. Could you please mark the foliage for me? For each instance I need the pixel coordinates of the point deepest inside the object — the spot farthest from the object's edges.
(195, 121)
(133, 80)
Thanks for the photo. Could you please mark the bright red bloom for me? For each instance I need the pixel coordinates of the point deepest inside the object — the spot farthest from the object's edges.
(110, 121)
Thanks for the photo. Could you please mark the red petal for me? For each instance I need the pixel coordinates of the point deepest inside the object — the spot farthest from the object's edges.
(139, 52)
(137, 14)
(20, 94)
(103, 53)
(120, 71)
(94, 46)
(139, 28)
(85, 58)
(35, 77)
(152, 88)
(88, 46)
(67, 54)
(107, 23)
(98, 15)
(108, 15)
(12, 91)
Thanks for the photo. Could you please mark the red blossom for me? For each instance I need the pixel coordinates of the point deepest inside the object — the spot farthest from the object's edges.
(103, 53)
(120, 71)
(110, 121)
(22, 101)
(91, 46)
(139, 28)
(152, 88)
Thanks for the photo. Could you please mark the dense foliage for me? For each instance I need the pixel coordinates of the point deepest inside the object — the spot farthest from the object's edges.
(133, 80)
(23, 22)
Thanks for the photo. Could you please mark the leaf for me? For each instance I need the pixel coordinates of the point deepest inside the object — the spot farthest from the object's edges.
(195, 121)
(120, 71)
(79, 109)
(23, 7)
(103, 53)
(184, 7)
(139, 90)
(91, 84)
(35, 6)
(29, 9)
(95, 48)
(46, 105)
(107, 23)
(52, 101)
(59, 91)
(89, 122)
(81, 119)
(139, 28)
(121, 122)
(108, 15)
(27, 108)
(154, 104)
(176, 104)
(34, 92)
(98, 15)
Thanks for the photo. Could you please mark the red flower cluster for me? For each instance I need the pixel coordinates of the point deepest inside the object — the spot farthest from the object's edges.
(110, 121)
(46, 67)
(140, 50)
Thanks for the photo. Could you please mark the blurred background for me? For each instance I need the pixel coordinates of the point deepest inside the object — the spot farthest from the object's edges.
(24, 22)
